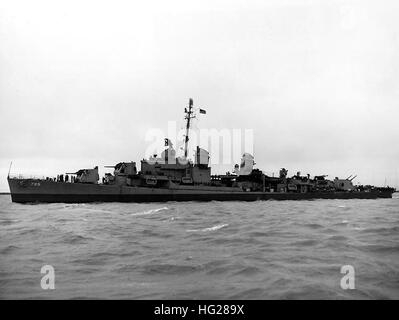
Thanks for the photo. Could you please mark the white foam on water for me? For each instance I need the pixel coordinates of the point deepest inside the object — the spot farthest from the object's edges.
(345, 221)
(99, 210)
(214, 228)
(74, 205)
(152, 211)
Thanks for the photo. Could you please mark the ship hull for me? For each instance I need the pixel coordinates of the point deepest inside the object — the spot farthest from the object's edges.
(31, 190)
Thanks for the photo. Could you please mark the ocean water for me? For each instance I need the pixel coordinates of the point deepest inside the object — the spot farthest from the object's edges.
(189, 250)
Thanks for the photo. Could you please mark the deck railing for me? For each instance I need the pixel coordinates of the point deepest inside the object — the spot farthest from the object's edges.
(26, 176)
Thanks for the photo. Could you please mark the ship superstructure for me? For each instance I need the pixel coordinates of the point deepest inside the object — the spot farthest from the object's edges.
(173, 178)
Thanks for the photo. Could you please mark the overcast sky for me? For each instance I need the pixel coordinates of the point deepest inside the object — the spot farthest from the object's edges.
(81, 82)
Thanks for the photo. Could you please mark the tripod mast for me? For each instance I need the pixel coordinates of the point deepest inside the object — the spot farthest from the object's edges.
(189, 115)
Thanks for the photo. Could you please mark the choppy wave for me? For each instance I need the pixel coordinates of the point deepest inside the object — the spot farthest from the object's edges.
(6, 222)
(189, 250)
(214, 228)
(8, 249)
(147, 212)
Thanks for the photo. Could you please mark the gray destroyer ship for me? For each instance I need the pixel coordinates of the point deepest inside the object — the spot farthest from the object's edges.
(171, 178)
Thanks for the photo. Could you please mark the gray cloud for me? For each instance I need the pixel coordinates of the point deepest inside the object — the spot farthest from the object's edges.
(80, 83)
